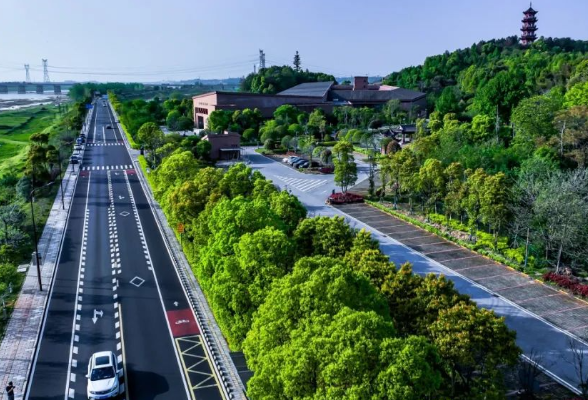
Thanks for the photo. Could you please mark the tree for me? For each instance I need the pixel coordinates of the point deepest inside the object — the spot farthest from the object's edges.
(297, 62)
(241, 283)
(494, 202)
(483, 127)
(186, 201)
(8, 275)
(577, 95)
(150, 135)
(174, 170)
(503, 91)
(286, 114)
(203, 149)
(454, 190)
(432, 181)
(345, 167)
(219, 120)
(390, 111)
(317, 123)
(473, 195)
(172, 119)
(411, 369)
(288, 208)
(317, 287)
(573, 140)
(533, 120)
(323, 236)
(448, 102)
(474, 343)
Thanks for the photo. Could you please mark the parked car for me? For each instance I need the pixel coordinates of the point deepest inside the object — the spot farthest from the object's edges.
(74, 160)
(304, 164)
(292, 159)
(108, 127)
(300, 161)
(103, 376)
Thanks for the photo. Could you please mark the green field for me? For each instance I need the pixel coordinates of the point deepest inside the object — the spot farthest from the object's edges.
(15, 129)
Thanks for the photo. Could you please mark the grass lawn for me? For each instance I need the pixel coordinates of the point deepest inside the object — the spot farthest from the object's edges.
(15, 129)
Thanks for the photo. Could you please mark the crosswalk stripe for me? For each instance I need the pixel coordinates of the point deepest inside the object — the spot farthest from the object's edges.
(105, 167)
(301, 184)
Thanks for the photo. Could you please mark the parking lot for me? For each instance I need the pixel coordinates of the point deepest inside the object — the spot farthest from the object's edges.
(555, 306)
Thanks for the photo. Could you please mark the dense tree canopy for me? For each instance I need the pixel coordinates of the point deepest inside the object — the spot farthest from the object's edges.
(276, 79)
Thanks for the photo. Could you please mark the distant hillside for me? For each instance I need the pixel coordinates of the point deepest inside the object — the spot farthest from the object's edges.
(459, 81)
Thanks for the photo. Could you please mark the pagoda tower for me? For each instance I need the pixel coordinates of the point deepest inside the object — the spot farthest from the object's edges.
(529, 26)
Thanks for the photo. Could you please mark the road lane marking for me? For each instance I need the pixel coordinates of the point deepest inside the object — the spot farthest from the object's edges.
(95, 124)
(123, 354)
(75, 325)
(148, 258)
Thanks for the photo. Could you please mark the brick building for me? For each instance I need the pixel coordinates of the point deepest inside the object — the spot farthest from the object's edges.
(307, 97)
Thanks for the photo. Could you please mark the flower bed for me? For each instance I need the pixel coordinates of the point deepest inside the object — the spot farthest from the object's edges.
(567, 282)
(344, 198)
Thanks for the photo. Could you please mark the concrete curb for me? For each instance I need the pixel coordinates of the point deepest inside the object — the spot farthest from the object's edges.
(214, 341)
(20, 343)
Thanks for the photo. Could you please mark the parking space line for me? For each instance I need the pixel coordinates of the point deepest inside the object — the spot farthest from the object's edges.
(564, 310)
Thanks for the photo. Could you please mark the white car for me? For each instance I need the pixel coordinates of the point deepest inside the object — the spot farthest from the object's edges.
(103, 376)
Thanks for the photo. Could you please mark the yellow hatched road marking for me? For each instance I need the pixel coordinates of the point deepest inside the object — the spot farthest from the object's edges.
(190, 361)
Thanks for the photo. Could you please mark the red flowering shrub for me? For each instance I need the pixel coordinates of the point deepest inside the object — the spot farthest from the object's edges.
(567, 282)
(344, 198)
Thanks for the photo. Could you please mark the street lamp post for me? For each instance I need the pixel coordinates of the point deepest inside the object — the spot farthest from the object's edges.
(35, 234)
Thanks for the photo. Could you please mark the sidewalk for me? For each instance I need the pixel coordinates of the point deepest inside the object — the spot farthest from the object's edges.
(19, 345)
(214, 341)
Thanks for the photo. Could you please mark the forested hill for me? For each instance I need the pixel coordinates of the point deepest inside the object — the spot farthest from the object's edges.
(467, 79)
(276, 79)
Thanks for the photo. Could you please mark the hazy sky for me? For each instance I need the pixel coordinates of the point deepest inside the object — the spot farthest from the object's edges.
(148, 40)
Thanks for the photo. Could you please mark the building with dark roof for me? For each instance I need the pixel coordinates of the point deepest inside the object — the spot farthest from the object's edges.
(307, 97)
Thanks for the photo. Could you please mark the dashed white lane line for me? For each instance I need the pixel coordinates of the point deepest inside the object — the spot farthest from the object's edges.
(73, 363)
(114, 260)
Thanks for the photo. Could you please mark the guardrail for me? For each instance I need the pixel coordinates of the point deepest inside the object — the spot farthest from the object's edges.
(230, 390)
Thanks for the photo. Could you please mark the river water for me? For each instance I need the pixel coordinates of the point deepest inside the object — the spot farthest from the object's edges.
(14, 101)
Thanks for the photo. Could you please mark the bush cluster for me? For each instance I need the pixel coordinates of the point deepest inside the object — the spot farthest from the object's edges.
(568, 282)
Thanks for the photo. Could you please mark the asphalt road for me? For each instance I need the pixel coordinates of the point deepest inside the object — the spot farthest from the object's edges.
(548, 345)
(115, 288)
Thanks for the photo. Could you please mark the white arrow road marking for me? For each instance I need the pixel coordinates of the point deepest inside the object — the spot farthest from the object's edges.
(96, 312)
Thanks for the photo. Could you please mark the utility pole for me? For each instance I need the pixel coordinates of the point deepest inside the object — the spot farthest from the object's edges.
(28, 78)
(45, 71)
(561, 135)
(497, 124)
(254, 71)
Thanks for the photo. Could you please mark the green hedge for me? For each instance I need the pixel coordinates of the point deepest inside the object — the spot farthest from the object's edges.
(132, 142)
